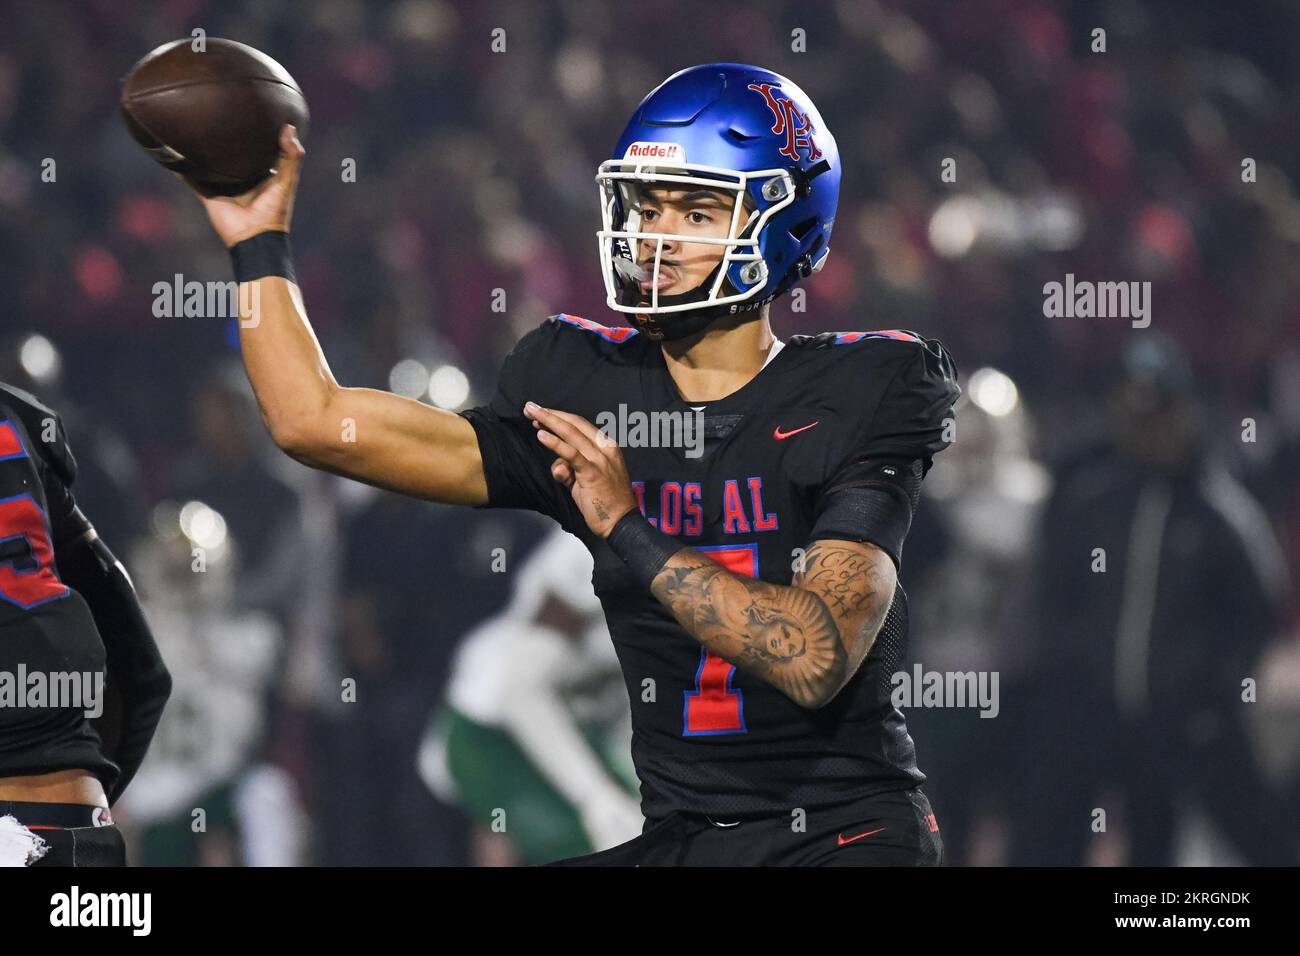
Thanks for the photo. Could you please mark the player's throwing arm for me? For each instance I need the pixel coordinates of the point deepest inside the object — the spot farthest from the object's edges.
(373, 436)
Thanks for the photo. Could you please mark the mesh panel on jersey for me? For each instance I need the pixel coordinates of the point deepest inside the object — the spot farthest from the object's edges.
(891, 642)
(717, 428)
(912, 481)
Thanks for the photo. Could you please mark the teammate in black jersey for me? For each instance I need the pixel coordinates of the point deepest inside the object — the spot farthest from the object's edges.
(67, 613)
(745, 499)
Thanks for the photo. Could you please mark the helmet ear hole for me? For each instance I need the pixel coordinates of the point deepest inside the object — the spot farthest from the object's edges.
(801, 229)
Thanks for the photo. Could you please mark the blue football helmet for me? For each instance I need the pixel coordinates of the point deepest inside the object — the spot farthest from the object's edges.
(731, 127)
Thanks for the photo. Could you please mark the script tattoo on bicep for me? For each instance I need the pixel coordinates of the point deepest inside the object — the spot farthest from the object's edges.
(856, 582)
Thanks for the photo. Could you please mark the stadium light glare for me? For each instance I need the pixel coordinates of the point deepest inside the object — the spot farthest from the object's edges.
(448, 387)
(39, 358)
(994, 392)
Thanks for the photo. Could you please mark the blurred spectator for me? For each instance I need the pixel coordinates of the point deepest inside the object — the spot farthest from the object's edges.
(205, 795)
(1160, 584)
(988, 492)
(231, 469)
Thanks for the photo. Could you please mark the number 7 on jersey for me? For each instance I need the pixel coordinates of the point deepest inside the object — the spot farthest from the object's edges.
(713, 707)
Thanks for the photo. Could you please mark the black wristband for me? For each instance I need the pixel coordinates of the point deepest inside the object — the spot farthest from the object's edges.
(265, 254)
(643, 547)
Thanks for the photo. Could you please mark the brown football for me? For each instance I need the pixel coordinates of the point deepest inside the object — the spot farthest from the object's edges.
(213, 116)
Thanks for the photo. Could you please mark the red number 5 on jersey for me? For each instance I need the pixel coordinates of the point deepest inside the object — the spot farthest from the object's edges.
(27, 575)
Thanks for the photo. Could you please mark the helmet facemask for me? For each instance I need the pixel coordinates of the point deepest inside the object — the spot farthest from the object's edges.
(733, 284)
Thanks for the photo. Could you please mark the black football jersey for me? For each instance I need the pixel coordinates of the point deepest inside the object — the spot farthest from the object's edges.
(46, 628)
(708, 737)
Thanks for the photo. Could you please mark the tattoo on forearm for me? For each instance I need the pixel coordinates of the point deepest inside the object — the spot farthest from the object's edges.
(805, 639)
(786, 636)
(856, 584)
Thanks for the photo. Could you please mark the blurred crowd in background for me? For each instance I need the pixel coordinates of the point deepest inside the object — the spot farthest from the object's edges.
(1121, 689)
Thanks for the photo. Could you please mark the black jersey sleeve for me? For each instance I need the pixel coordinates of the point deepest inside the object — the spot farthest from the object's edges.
(54, 461)
(45, 428)
(874, 492)
(138, 682)
(516, 466)
(67, 523)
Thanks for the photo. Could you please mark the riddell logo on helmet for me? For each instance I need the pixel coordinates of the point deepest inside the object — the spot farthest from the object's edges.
(656, 151)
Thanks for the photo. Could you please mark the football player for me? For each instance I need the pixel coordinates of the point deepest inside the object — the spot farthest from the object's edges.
(67, 610)
(532, 739)
(222, 656)
(746, 517)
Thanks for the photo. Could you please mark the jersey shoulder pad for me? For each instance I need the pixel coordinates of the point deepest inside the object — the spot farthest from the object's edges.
(618, 334)
(827, 340)
(895, 335)
(882, 350)
(44, 429)
(911, 410)
(558, 357)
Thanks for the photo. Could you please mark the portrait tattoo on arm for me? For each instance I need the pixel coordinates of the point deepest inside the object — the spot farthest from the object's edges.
(804, 639)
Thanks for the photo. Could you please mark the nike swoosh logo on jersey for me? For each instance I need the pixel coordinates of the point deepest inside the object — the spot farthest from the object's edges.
(843, 841)
(781, 436)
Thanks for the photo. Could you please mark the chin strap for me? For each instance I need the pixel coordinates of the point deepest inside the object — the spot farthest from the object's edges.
(803, 177)
(678, 325)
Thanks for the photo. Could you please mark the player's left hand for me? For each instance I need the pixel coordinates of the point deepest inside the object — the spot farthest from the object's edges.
(590, 464)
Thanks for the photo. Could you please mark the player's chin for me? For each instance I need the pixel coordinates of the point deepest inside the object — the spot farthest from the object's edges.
(646, 325)
(665, 288)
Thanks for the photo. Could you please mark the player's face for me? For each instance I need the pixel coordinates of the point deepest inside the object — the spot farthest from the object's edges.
(688, 211)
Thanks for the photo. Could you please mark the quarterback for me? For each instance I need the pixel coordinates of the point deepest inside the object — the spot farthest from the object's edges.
(751, 585)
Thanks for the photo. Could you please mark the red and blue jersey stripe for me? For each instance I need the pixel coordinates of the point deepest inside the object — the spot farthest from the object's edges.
(901, 335)
(611, 334)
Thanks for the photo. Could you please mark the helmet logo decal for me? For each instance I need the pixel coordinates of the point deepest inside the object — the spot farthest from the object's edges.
(644, 150)
(796, 126)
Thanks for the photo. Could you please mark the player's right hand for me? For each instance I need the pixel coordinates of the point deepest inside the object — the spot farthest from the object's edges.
(269, 207)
